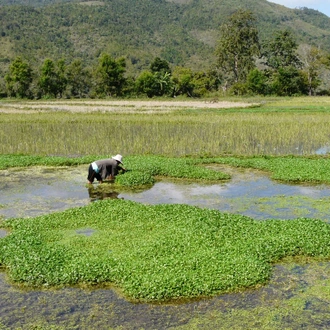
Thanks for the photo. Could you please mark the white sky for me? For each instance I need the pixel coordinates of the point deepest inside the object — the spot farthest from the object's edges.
(321, 5)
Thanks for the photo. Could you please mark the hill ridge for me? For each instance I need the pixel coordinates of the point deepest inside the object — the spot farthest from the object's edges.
(183, 32)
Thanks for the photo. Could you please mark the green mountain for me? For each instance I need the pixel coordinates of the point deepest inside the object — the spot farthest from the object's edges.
(184, 32)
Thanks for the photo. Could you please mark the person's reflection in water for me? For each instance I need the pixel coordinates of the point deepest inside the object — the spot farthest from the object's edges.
(99, 193)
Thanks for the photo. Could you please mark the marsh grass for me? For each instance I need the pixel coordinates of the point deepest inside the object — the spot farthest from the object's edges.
(281, 127)
(155, 253)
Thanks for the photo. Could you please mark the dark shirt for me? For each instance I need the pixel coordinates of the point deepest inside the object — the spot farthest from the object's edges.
(107, 167)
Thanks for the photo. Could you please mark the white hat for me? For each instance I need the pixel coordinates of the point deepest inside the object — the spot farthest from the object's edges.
(118, 158)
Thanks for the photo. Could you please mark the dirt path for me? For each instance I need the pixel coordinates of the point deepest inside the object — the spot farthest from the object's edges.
(125, 106)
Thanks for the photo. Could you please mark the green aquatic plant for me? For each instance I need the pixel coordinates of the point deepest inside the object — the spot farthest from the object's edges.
(183, 168)
(155, 253)
(11, 160)
(287, 168)
(134, 179)
(144, 168)
(297, 297)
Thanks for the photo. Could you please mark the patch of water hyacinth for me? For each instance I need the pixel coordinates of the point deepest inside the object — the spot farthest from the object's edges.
(162, 252)
(155, 253)
(144, 169)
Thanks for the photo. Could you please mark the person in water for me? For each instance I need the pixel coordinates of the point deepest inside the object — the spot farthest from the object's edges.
(105, 169)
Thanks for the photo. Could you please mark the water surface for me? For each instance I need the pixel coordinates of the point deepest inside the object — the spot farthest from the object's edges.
(297, 295)
(36, 191)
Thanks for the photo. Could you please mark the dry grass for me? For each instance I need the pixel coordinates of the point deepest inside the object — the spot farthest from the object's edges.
(123, 106)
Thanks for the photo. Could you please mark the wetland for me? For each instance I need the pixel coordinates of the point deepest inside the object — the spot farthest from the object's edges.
(293, 294)
(262, 171)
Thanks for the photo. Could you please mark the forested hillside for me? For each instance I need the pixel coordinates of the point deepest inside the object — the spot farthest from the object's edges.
(68, 48)
(183, 32)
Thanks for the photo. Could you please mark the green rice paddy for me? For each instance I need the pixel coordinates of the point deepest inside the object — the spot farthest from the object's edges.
(286, 126)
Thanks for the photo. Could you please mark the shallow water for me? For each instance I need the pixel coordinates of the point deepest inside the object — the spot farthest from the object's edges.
(39, 190)
(250, 193)
(103, 308)
(297, 295)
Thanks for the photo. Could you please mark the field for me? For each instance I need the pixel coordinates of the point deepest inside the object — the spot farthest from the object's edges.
(77, 128)
(165, 253)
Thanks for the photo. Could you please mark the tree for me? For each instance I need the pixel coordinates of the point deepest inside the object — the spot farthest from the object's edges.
(53, 80)
(159, 65)
(238, 45)
(78, 79)
(311, 61)
(257, 82)
(61, 77)
(164, 83)
(183, 81)
(19, 78)
(281, 51)
(289, 81)
(146, 84)
(280, 56)
(203, 83)
(47, 80)
(154, 84)
(325, 60)
(110, 79)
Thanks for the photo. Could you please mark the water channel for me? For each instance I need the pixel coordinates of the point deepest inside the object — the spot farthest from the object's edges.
(297, 295)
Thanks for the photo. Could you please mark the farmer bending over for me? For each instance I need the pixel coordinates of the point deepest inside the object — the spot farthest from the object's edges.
(105, 169)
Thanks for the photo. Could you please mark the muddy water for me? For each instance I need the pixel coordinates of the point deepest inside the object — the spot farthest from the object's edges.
(297, 295)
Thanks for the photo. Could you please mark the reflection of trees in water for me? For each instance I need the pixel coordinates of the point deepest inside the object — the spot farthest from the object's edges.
(101, 192)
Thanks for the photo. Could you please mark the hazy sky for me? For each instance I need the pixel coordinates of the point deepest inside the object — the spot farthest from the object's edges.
(321, 5)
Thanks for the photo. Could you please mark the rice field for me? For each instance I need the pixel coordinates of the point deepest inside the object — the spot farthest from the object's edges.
(72, 128)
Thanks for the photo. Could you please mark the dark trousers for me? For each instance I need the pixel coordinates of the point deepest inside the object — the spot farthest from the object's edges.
(93, 175)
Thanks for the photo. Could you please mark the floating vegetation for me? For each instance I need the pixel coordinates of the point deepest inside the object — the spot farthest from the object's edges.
(314, 169)
(293, 206)
(142, 169)
(155, 253)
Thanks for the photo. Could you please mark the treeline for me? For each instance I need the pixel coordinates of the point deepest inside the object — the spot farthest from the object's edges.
(277, 66)
(107, 79)
(244, 65)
